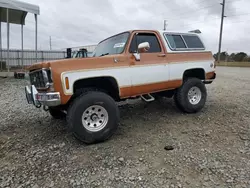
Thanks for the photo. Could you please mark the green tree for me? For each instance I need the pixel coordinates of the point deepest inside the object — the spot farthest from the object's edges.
(231, 57)
(246, 59)
(240, 56)
(223, 56)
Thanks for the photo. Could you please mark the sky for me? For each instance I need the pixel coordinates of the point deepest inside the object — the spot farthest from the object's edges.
(72, 23)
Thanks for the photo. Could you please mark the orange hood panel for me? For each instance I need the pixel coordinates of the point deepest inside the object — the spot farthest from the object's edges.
(81, 63)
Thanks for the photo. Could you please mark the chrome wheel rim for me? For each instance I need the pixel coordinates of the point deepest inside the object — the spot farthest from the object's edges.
(194, 95)
(95, 118)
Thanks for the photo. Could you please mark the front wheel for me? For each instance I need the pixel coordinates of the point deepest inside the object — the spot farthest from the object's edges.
(191, 96)
(93, 117)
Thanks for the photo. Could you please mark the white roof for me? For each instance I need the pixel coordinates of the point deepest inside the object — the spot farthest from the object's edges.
(17, 10)
(178, 32)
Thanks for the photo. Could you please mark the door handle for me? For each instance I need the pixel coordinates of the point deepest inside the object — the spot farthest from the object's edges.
(116, 60)
(162, 55)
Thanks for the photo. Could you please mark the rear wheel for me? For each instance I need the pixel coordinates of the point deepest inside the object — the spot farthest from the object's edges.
(93, 117)
(57, 113)
(191, 96)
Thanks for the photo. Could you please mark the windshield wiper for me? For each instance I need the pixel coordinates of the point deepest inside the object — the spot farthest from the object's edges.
(104, 54)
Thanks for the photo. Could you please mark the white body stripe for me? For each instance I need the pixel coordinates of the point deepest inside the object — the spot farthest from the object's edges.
(121, 74)
(176, 70)
(147, 74)
(138, 74)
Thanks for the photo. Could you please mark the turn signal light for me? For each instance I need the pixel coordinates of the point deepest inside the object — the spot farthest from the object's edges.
(67, 82)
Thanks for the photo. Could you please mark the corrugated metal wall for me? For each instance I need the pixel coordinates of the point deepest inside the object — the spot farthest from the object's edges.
(29, 57)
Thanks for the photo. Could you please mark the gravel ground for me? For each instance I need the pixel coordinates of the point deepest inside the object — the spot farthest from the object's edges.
(209, 149)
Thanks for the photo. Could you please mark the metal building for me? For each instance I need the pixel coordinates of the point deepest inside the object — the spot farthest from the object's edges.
(17, 62)
(14, 12)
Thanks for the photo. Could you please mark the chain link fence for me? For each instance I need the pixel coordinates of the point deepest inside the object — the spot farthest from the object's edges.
(20, 60)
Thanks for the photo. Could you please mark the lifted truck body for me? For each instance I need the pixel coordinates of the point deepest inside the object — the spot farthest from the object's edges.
(138, 63)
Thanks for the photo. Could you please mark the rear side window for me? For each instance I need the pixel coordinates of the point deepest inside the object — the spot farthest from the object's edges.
(175, 41)
(184, 42)
(193, 41)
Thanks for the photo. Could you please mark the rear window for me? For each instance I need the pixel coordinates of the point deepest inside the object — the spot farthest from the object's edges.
(184, 42)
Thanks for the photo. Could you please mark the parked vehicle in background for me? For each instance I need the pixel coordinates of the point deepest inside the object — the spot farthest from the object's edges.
(81, 53)
(132, 64)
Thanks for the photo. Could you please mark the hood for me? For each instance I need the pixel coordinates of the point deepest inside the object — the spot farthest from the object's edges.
(79, 63)
(39, 65)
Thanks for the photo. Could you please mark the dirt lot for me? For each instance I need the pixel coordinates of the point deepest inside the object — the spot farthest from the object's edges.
(211, 148)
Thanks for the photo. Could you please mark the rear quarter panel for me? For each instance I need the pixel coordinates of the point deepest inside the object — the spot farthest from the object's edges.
(180, 61)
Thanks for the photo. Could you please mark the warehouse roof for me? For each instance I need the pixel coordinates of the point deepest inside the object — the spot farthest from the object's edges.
(17, 11)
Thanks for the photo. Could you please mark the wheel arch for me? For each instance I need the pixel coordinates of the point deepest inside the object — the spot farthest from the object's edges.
(194, 73)
(107, 84)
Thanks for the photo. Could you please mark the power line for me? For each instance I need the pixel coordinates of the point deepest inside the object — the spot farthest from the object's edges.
(235, 9)
(200, 3)
(213, 18)
(233, 1)
(196, 10)
(241, 21)
(202, 8)
(236, 15)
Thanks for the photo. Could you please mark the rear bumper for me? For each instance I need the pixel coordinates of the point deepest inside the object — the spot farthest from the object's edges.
(42, 98)
(209, 81)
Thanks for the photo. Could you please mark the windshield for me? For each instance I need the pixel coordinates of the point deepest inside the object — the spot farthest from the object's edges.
(113, 45)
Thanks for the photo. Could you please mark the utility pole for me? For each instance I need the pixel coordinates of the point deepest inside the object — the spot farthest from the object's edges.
(165, 25)
(221, 28)
(50, 45)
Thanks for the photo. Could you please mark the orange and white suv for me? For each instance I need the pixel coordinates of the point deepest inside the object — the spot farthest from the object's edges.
(138, 63)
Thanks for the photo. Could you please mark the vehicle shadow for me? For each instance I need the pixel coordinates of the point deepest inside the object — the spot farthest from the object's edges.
(140, 108)
(131, 111)
(134, 116)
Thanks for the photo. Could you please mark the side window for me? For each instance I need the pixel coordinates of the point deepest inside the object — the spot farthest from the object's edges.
(184, 42)
(175, 41)
(145, 37)
(193, 41)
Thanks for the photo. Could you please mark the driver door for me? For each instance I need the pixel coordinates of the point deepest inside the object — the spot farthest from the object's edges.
(150, 74)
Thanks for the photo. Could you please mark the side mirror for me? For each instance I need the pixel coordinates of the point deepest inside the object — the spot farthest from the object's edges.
(142, 47)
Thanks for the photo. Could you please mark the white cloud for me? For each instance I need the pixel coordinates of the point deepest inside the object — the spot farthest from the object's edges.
(82, 22)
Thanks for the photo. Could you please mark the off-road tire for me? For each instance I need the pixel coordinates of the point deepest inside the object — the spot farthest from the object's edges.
(57, 113)
(181, 96)
(80, 104)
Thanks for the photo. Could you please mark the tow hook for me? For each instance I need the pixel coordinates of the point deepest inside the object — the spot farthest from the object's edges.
(45, 108)
(38, 105)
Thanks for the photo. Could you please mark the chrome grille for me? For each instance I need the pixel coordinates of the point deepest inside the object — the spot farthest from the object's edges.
(39, 78)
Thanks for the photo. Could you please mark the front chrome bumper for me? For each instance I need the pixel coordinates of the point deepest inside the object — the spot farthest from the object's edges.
(42, 98)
